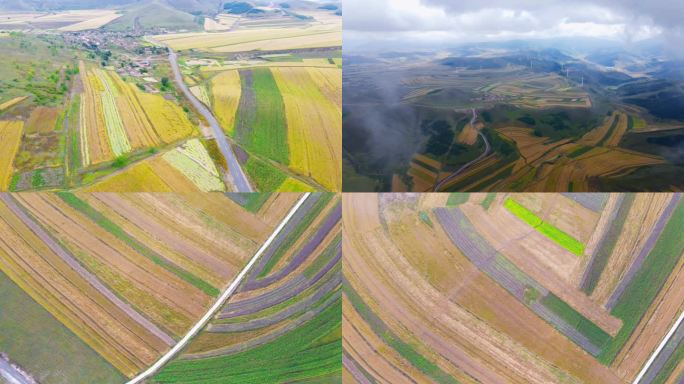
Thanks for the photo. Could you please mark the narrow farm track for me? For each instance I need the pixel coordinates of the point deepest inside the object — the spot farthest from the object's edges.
(653, 357)
(89, 277)
(237, 176)
(220, 301)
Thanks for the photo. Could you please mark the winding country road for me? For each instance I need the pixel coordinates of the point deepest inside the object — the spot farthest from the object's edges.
(220, 301)
(484, 154)
(237, 176)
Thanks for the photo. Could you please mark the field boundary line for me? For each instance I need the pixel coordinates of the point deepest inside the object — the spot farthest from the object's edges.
(659, 349)
(220, 301)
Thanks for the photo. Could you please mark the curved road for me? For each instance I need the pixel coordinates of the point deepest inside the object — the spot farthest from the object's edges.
(237, 176)
(219, 302)
(439, 185)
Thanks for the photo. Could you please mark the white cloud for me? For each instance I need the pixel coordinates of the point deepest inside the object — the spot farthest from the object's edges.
(476, 20)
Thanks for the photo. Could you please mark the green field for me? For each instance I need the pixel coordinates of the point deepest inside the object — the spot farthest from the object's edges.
(457, 198)
(559, 237)
(61, 358)
(267, 125)
(310, 353)
(583, 325)
(264, 175)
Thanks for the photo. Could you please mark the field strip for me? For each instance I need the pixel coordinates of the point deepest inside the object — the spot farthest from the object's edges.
(660, 347)
(89, 277)
(221, 299)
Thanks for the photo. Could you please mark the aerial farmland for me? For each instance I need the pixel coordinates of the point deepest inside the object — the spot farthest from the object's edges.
(159, 98)
(513, 288)
(115, 281)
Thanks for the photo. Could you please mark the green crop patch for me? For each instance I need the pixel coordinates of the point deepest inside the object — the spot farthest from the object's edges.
(586, 327)
(312, 351)
(647, 282)
(457, 198)
(559, 237)
(261, 121)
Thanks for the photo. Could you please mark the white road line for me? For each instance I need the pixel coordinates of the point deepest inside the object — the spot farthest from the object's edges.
(219, 302)
(660, 347)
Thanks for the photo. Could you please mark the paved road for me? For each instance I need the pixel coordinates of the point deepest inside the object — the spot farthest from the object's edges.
(12, 375)
(659, 349)
(468, 164)
(237, 176)
(89, 277)
(219, 302)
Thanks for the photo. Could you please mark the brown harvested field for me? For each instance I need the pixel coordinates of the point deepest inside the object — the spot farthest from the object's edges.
(531, 147)
(130, 274)
(593, 137)
(42, 120)
(468, 135)
(430, 296)
(58, 288)
(645, 211)
(597, 162)
(618, 132)
(538, 256)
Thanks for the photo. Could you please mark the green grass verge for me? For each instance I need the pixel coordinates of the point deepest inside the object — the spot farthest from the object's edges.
(457, 198)
(586, 327)
(559, 237)
(31, 335)
(647, 282)
(312, 351)
(122, 235)
(406, 350)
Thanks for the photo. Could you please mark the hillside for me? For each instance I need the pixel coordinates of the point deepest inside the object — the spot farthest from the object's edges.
(153, 15)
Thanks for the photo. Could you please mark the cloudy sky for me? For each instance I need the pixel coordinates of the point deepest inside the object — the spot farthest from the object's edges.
(424, 22)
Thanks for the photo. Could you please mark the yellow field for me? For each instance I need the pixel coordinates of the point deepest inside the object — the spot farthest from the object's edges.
(154, 175)
(200, 93)
(93, 19)
(12, 102)
(327, 34)
(226, 90)
(95, 146)
(314, 126)
(139, 119)
(168, 118)
(294, 185)
(10, 138)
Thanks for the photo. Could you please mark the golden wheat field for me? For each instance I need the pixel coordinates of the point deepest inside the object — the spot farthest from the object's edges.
(314, 123)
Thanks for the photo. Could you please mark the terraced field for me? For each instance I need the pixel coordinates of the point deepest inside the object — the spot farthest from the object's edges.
(473, 288)
(123, 276)
(283, 324)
